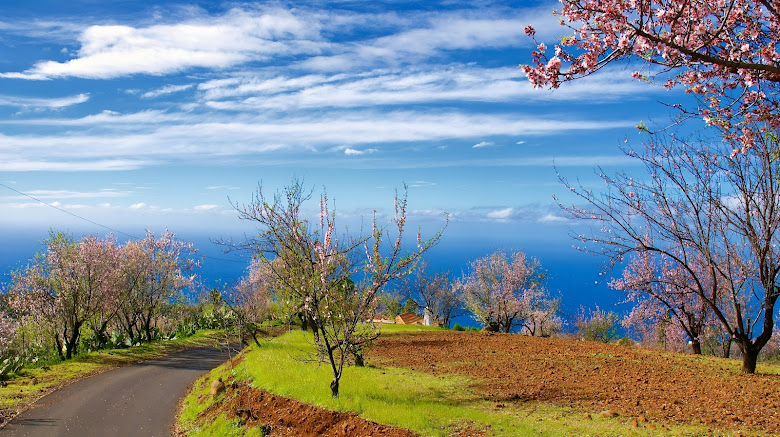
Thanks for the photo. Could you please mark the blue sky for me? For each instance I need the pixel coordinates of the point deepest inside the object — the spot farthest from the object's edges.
(151, 114)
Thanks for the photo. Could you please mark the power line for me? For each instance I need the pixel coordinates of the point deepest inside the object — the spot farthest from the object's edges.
(116, 231)
(69, 213)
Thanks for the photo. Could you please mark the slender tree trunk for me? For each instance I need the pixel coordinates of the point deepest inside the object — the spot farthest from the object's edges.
(71, 344)
(358, 354)
(334, 387)
(101, 336)
(727, 348)
(58, 347)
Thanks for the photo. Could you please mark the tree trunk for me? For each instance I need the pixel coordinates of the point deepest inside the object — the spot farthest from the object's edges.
(749, 359)
(334, 388)
(727, 348)
(696, 346)
(101, 336)
(304, 322)
(71, 344)
(58, 347)
(359, 358)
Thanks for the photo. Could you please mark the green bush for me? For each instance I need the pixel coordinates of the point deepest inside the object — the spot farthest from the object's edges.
(457, 327)
(599, 325)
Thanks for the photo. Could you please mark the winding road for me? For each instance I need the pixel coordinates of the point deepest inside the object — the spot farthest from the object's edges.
(138, 400)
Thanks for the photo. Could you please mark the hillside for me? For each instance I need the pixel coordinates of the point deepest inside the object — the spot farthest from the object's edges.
(647, 385)
(446, 383)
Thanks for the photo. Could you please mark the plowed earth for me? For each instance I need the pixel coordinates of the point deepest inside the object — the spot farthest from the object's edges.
(593, 377)
(284, 417)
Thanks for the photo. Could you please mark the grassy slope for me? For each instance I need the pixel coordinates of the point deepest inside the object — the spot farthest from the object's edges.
(25, 388)
(427, 404)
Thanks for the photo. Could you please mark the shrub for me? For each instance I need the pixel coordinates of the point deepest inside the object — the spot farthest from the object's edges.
(599, 325)
(457, 327)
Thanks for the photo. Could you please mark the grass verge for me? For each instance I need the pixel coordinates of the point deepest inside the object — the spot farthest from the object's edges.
(30, 384)
(427, 404)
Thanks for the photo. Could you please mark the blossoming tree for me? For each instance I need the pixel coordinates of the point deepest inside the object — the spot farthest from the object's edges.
(505, 292)
(724, 52)
(433, 293)
(711, 217)
(335, 281)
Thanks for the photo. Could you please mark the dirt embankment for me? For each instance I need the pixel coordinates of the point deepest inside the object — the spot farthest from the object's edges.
(594, 377)
(283, 417)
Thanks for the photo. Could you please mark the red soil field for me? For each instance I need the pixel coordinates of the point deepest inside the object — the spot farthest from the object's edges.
(645, 384)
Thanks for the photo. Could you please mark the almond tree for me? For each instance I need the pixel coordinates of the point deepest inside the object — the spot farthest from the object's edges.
(664, 289)
(724, 52)
(250, 299)
(100, 262)
(504, 290)
(8, 327)
(710, 215)
(67, 287)
(335, 281)
(154, 270)
(434, 294)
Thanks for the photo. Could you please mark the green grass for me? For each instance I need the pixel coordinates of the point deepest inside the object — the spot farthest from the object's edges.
(427, 404)
(31, 383)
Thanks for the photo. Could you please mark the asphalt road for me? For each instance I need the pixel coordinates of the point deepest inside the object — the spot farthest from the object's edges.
(138, 400)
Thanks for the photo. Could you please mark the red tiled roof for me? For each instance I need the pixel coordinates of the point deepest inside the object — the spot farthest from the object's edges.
(408, 319)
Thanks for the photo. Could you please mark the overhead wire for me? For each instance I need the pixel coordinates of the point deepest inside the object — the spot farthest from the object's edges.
(116, 231)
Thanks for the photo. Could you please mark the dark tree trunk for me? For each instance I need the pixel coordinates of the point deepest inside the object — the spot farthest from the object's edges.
(696, 346)
(749, 361)
(334, 388)
(749, 355)
(253, 332)
(71, 344)
(359, 358)
(101, 336)
(58, 347)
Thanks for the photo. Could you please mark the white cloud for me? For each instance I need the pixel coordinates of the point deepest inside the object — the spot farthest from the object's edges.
(205, 207)
(426, 84)
(238, 36)
(421, 184)
(222, 187)
(436, 33)
(43, 103)
(521, 142)
(170, 89)
(482, 144)
(70, 166)
(552, 218)
(500, 214)
(351, 152)
(111, 141)
(138, 205)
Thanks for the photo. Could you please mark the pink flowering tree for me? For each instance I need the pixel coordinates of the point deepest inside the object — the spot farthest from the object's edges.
(70, 286)
(434, 294)
(154, 270)
(723, 52)
(250, 300)
(8, 326)
(662, 291)
(710, 216)
(99, 269)
(333, 280)
(504, 291)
